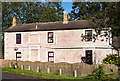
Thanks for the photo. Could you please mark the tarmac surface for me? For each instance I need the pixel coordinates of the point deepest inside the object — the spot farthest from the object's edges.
(13, 77)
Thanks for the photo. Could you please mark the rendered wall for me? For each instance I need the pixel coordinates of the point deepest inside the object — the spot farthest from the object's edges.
(69, 39)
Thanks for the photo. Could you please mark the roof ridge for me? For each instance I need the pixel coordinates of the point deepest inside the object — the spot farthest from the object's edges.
(42, 23)
(51, 22)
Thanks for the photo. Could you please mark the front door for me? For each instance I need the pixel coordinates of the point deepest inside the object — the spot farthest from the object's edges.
(88, 56)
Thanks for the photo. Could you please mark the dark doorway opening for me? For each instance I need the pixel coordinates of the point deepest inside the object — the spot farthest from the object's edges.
(88, 56)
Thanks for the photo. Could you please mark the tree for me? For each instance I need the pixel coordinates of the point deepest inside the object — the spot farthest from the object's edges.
(103, 14)
(30, 12)
(83, 10)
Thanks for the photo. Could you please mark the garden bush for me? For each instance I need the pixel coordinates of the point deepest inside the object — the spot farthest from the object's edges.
(98, 73)
(56, 72)
(111, 59)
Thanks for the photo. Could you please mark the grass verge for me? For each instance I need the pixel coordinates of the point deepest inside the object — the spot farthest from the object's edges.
(38, 75)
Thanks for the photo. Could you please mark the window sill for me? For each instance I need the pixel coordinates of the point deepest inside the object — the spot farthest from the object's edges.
(88, 41)
(18, 44)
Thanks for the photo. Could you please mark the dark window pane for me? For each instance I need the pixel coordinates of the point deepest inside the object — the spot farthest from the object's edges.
(88, 35)
(18, 55)
(50, 40)
(18, 38)
(51, 56)
(18, 41)
(50, 37)
(50, 34)
(18, 35)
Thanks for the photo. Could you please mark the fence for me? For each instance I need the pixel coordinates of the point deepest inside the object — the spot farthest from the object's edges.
(76, 69)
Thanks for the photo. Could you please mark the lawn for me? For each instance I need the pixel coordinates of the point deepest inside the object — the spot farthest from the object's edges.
(39, 75)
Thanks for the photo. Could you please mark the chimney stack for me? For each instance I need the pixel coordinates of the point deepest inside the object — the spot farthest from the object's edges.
(65, 21)
(15, 21)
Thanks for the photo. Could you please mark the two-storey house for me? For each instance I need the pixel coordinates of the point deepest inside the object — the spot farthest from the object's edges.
(63, 41)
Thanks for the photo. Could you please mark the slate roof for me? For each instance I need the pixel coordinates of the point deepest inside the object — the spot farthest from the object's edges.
(79, 24)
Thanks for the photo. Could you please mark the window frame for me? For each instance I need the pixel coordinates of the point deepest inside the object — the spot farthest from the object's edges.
(17, 56)
(19, 38)
(50, 37)
(51, 56)
(86, 36)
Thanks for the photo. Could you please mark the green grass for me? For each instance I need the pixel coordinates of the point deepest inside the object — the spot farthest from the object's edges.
(37, 75)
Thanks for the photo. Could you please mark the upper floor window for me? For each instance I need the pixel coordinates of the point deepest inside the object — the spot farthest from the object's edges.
(18, 38)
(88, 35)
(50, 37)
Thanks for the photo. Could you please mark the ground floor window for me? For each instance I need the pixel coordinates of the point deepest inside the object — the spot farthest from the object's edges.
(18, 56)
(51, 56)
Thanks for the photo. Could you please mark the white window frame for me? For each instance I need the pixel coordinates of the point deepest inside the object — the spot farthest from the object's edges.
(21, 54)
(47, 55)
(47, 37)
(92, 36)
(21, 38)
(92, 54)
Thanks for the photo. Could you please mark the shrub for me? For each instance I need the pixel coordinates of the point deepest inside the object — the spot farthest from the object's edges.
(111, 59)
(17, 65)
(12, 65)
(98, 73)
(56, 72)
(118, 61)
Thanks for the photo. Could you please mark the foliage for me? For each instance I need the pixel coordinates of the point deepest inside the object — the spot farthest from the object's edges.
(111, 59)
(39, 75)
(118, 78)
(94, 37)
(30, 12)
(103, 14)
(99, 74)
(83, 10)
(12, 65)
(119, 61)
(56, 72)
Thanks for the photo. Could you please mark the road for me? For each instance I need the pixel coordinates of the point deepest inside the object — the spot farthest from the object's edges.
(13, 77)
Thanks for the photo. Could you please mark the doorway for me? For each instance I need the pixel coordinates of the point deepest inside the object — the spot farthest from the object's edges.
(88, 56)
